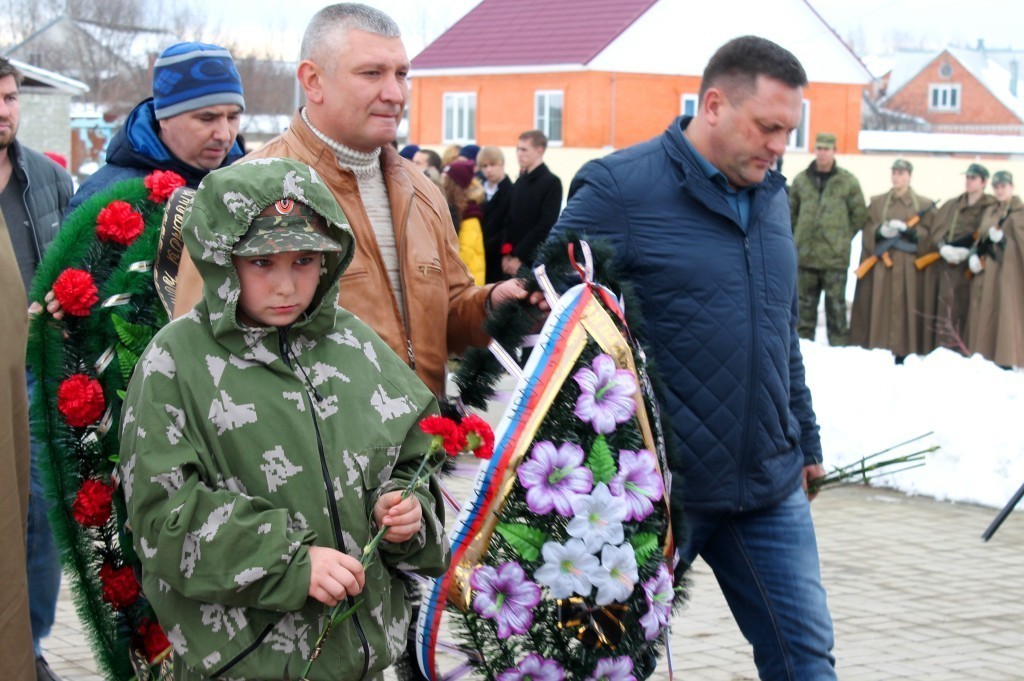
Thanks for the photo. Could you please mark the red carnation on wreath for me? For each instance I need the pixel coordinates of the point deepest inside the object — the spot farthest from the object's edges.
(120, 588)
(479, 436)
(506, 249)
(120, 223)
(75, 291)
(452, 437)
(162, 183)
(80, 399)
(92, 504)
(154, 641)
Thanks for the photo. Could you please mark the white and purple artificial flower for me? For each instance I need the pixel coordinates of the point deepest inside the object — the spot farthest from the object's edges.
(533, 667)
(613, 669)
(567, 568)
(598, 518)
(554, 477)
(616, 578)
(658, 590)
(506, 596)
(638, 483)
(606, 394)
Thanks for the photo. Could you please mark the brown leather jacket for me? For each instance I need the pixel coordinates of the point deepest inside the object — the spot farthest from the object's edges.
(444, 311)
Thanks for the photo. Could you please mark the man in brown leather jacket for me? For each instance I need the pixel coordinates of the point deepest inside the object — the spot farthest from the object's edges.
(406, 280)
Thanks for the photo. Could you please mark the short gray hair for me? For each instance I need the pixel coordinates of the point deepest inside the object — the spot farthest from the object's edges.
(346, 16)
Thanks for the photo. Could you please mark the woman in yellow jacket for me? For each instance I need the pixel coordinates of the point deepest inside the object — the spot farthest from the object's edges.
(465, 197)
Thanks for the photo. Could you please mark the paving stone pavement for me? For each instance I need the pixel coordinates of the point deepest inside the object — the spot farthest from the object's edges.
(914, 592)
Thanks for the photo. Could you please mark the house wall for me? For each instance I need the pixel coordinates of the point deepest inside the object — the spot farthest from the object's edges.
(978, 105)
(45, 120)
(601, 109)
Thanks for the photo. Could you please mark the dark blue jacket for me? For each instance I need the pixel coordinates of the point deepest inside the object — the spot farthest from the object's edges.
(136, 150)
(719, 304)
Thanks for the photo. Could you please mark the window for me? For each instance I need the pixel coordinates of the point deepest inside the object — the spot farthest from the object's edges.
(798, 138)
(944, 97)
(547, 114)
(688, 105)
(459, 117)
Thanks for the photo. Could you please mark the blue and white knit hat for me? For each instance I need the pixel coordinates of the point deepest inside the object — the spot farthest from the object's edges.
(189, 76)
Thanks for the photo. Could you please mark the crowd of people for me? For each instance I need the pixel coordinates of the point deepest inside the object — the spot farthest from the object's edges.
(932, 273)
(328, 231)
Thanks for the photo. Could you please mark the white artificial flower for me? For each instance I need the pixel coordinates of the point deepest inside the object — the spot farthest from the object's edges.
(598, 519)
(616, 578)
(567, 568)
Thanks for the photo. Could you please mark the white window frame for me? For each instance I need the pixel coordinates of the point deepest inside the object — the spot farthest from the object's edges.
(458, 118)
(798, 138)
(687, 99)
(951, 96)
(542, 115)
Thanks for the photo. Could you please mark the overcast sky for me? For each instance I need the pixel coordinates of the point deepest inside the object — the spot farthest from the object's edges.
(874, 25)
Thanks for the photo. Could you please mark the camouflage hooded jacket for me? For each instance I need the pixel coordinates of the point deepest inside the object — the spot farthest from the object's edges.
(825, 221)
(241, 447)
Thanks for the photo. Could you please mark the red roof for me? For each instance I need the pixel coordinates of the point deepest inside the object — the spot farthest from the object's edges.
(531, 33)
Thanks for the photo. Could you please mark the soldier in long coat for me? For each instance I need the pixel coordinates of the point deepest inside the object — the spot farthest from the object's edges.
(995, 322)
(945, 292)
(886, 312)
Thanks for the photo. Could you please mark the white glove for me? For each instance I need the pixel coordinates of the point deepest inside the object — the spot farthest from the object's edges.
(954, 255)
(995, 235)
(974, 262)
(892, 228)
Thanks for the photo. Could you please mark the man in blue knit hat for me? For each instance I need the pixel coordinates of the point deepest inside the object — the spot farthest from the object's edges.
(189, 125)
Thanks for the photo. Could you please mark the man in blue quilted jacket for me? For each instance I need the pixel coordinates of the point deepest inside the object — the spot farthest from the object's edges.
(700, 224)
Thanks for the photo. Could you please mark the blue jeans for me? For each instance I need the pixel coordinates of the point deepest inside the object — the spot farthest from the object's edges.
(43, 562)
(766, 562)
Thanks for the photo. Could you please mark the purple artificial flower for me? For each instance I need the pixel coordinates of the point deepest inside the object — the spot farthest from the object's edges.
(553, 478)
(606, 394)
(613, 669)
(638, 483)
(658, 590)
(533, 667)
(506, 596)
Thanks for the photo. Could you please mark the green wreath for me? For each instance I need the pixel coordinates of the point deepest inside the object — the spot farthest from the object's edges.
(100, 269)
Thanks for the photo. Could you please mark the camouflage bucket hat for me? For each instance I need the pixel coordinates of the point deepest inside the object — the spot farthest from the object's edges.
(1002, 177)
(903, 164)
(283, 226)
(977, 169)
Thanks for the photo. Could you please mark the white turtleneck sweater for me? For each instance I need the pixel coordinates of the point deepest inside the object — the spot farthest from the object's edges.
(374, 195)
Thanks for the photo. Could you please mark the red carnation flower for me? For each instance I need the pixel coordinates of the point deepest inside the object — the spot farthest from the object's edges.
(161, 184)
(120, 588)
(153, 641)
(506, 249)
(446, 434)
(92, 503)
(75, 291)
(479, 436)
(80, 399)
(120, 223)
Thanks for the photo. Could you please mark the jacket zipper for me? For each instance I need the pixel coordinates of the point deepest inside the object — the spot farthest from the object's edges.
(244, 653)
(16, 169)
(332, 506)
(751, 376)
(405, 289)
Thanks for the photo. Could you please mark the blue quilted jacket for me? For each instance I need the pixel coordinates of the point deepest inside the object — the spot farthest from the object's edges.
(719, 304)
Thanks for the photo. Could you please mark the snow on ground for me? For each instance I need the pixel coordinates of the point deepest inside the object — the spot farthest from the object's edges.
(865, 403)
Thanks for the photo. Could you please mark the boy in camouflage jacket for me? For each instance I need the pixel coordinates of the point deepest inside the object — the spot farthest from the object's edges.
(266, 434)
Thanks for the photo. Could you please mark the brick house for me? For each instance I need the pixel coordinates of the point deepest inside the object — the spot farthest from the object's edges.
(610, 73)
(957, 90)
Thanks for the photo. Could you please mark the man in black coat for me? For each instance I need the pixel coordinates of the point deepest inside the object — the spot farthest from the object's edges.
(536, 202)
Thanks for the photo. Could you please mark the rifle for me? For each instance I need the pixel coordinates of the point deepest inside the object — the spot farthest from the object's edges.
(966, 241)
(882, 248)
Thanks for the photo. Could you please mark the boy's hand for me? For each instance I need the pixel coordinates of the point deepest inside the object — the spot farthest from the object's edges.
(334, 575)
(401, 516)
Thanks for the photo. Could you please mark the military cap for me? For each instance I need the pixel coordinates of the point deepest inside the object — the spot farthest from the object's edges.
(825, 139)
(283, 226)
(977, 169)
(903, 164)
(1002, 177)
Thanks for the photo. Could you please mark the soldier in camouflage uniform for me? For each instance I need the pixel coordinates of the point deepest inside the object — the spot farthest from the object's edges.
(265, 434)
(827, 209)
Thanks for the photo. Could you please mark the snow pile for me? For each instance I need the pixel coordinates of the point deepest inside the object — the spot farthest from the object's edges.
(866, 403)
